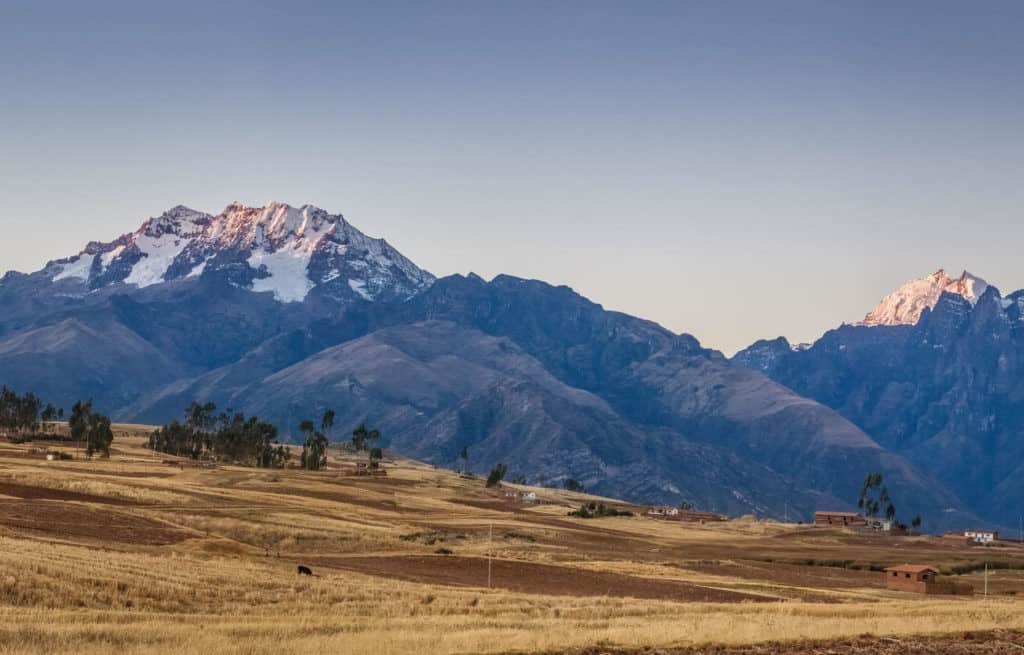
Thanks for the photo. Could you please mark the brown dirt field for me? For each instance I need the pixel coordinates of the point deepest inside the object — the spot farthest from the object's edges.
(497, 505)
(528, 577)
(969, 643)
(142, 475)
(791, 574)
(333, 496)
(28, 492)
(376, 482)
(63, 521)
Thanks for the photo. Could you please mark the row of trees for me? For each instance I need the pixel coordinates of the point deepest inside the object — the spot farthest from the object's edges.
(874, 498)
(232, 437)
(20, 414)
(221, 437)
(314, 446)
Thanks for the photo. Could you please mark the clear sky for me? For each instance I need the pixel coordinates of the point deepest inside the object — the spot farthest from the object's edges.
(735, 170)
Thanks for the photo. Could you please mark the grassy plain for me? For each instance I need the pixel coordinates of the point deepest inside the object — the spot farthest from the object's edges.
(135, 555)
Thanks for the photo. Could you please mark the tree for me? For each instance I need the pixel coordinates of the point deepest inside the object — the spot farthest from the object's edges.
(362, 438)
(686, 506)
(916, 523)
(49, 413)
(327, 422)
(78, 423)
(376, 455)
(496, 476)
(464, 456)
(314, 448)
(573, 485)
(200, 417)
(18, 413)
(874, 495)
(99, 436)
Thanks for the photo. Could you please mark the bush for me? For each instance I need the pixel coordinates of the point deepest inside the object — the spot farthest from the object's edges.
(573, 485)
(598, 510)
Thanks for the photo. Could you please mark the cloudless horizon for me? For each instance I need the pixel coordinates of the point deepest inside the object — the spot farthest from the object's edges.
(733, 170)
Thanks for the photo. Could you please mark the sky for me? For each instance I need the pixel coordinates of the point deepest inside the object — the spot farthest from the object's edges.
(733, 170)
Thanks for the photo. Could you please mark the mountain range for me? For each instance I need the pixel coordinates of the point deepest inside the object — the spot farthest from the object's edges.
(283, 312)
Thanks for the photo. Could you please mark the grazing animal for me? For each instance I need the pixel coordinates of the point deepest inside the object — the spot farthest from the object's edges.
(305, 570)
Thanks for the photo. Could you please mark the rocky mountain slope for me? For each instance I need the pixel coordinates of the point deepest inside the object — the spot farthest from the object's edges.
(905, 305)
(944, 392)
(284, 312)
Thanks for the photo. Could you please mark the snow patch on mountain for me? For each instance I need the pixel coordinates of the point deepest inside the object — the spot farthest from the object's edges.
(360, 288)
(287, 269)
(158, 255)
(905, 305)
(79, 268)
(108, 257)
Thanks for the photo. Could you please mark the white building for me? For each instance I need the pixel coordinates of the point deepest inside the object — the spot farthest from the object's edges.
(982, 536)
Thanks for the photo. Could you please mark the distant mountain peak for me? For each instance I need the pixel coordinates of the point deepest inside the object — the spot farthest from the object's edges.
(905, 305)
(278, 248)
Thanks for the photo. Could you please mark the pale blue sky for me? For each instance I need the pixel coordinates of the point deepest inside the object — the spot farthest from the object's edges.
(735, 170)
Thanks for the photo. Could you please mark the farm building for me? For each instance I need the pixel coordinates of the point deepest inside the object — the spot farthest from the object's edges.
(982, 536)
(840, 520)
(882, 525)
(686, 515)
(521, 496)
(921, 579)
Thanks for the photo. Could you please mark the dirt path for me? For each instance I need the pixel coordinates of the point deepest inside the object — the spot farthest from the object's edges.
(529, 577)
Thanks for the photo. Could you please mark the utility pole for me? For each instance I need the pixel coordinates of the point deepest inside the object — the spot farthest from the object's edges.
(490, 542)
(986, 579)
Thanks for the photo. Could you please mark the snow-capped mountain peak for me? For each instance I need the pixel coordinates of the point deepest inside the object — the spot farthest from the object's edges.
(284, 250)
(905, 305)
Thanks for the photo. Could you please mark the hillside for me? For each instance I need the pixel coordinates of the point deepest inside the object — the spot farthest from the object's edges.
(286, 311)
(944, 392)
(401, 565)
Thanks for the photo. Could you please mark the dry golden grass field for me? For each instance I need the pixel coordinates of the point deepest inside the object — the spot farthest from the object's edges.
(136, 555)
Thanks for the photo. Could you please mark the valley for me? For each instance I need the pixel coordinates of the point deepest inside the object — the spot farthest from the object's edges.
(145, 553)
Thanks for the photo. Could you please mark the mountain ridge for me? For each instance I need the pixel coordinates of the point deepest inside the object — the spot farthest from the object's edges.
(255, 309)
(284, 250)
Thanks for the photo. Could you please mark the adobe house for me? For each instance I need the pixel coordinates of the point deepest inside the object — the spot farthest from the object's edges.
(920, 579)
(840, 520)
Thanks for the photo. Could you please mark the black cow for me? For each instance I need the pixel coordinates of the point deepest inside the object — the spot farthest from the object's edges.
(305, 570)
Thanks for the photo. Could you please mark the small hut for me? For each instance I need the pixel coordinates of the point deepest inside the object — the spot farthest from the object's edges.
(922, 579)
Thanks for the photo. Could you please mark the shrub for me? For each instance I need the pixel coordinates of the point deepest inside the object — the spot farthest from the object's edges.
(572, 484)
(594, 510)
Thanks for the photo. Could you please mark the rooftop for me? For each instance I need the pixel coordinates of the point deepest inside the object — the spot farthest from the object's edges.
(912, 568)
